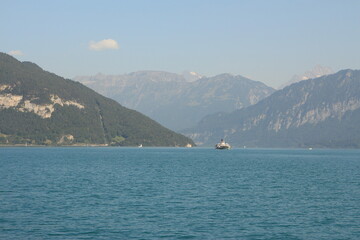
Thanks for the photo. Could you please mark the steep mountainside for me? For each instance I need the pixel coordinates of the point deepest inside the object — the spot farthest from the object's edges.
(175, 101)
(321, 112)
(38, 107)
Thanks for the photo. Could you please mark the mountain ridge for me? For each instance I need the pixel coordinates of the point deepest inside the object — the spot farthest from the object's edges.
(320, 112)
(317, 71)
(178, 103)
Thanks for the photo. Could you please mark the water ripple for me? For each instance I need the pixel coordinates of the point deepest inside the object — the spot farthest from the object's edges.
(124, 193)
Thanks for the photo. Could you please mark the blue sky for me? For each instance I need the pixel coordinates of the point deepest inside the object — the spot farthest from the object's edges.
(267, 41)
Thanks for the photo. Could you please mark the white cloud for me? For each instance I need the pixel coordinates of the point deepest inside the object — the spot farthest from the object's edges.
(15, 53)
(104, 44)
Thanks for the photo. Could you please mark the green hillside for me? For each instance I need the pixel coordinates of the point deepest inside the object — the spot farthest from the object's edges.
(38, 107)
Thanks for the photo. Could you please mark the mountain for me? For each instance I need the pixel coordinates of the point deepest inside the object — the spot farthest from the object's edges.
(316, 72)
(320, 112)
(178, 101)
(191, 76)
(38, 107)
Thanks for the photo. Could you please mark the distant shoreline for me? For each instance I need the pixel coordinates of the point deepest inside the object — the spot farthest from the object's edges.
(87, 145)
(197, 147)
(24, 145)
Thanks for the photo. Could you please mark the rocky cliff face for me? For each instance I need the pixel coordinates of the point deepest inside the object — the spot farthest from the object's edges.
(179, 101)
(8, 100)
(319, 112)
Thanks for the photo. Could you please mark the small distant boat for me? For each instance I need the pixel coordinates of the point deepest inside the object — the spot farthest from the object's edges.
(140, 146)
(188, 145)
(222, 145)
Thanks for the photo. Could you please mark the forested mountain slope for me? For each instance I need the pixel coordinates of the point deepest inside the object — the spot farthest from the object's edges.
(38, 107)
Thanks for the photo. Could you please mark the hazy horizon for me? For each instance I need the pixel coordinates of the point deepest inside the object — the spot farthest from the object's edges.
(266, 41)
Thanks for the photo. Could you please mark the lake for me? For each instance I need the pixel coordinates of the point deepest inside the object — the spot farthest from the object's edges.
(179, 193)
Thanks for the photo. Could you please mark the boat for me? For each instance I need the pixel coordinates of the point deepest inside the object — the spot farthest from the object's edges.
(140, 146)
(222, 145)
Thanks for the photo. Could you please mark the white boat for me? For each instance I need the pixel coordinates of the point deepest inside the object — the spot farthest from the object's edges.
(222, 145)
(140, 146)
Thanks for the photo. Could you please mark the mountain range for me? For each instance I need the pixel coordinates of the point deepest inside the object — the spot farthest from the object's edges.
(319, 112)
(41, 108)
(178, 101)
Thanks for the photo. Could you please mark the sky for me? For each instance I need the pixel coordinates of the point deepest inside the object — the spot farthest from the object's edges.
(267, 41)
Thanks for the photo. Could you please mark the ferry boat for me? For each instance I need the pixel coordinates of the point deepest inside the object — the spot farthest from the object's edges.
(222, 145)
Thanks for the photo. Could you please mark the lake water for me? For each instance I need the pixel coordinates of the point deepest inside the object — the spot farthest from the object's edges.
(177, 193)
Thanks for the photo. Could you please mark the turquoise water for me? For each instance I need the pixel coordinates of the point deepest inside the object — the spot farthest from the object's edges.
(175, 193)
